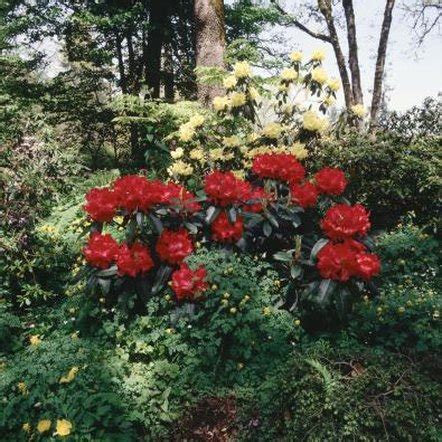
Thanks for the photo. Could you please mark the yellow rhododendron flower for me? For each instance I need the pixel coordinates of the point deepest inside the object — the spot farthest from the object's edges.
(240, 174)
(296, 56)
(197, 154)
(289, 74)
(359, 110)
(217, 154)
(313, 122)
(180, 168)
(242, 69)
(237, 99)
(253, 93)
(329, 101)
(70, 376)
(34, 339)
(251, 138)
(26, 427)
(43, 425)
(230, 82)
(232, 141)
(272, 130)
(197, 120)
(220, 103)
(63, 428)
(186, 132)
(299, 151)
(318, 55)
(177, 153)
(319, 75)
(334, 84)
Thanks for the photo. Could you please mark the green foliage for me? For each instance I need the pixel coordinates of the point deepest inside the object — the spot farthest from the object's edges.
(388, 175)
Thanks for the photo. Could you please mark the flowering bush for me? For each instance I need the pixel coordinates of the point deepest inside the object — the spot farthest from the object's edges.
(230, 138)
(315, 238)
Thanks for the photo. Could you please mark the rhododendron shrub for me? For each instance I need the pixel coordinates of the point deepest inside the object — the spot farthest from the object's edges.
(301, 222)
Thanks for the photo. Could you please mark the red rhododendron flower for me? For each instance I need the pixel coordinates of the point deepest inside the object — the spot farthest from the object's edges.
(178, 195)
(174, 246)
(256, 199)
(330, 181)
(367, 265)
(101, 204)
(224, 231)
(278, 166)
(306, 194)
(187, 283)
(101, 250)
(223, 188)
(134, 260)
(338, 261)
(343, 221)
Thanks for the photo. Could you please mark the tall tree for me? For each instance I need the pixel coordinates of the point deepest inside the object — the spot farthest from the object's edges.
(210, 40)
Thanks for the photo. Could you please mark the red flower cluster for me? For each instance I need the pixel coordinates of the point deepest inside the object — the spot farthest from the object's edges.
(348, 259)
(134, 260)
(224, 189)
(101, 250)
(343, 221)
(331, 181)
(278, 166)
(174, 246)
(224, 231)
(306, 194)
(101, 204)
(187, 283)
(256, 199)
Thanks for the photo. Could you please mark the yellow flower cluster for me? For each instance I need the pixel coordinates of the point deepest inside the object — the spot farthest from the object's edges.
(63, 427)
(289, 74)
(313, 122)
(296, 56)
(318, 55)
(230, 82)
(70, 376)
(35, 340)
(238, 99)
(319, 75)
(242, 69)
(359, 110)
(297, 149)
(180, 168)
(221, 103)
(334, 84)
(186, 132)
(272, 130)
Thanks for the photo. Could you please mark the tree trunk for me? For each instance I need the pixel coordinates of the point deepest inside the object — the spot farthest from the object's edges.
(123, 85)
(380, 63)
(158, 16)
(210, 41)
(353, 60)
(168, 75)
(326, 10)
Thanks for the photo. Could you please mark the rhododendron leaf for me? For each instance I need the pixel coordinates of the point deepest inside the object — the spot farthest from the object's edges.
(140, 218)
(104, 284)
(267, 229)
(317, 247)
(296, 221)
(111, 271)
(368, 242)
(271, 218)
(192, 228)
(325, 289)
(131, 231)
(284, 256)
(161, 277)
(341, 302)
(211, 214)
(158, 225)
(232, 215)
(295, 271)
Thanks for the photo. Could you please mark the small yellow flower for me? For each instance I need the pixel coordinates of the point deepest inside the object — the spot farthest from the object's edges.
(169, 331)
(217, 154)
(43, 425)
(283, 87)
(220, 103)
(74, 336)
(197, 120)
(334, 84)
(313, 122)
(70, 376)
(296, 56)
(230, 82)
(26, 427)
(297, 322)
(239, 174)
(186, 132)
(240, 365)
(298, 150)
(319, 75)
(401, 310)
(214, 287)
(34, 339)
(329, 101)
(289, 74)
(266, 311)
(318, 55)
(63, 427)
(246, 298)
(232, 141)
(180, 168)
(232, 310)
(242, 69)
(226, 295)
(359, 110)
(22, 388)
(272, 130)
(177, 153)
(237, 99)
